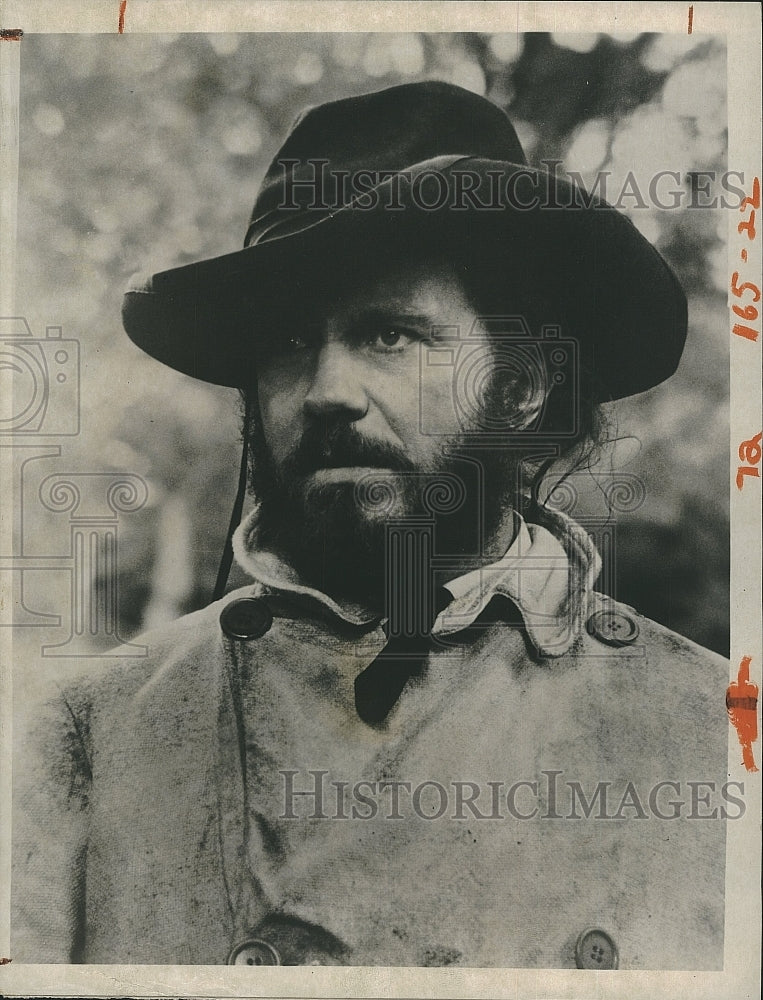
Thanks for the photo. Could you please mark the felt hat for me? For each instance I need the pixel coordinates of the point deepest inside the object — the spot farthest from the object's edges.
(422, 164)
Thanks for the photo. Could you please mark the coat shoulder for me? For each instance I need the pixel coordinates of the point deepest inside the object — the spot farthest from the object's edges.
(190, 642)
(184, 655)
(652, 690)
(621, 632)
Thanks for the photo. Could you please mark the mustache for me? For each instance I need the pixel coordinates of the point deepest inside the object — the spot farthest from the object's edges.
(333, 446)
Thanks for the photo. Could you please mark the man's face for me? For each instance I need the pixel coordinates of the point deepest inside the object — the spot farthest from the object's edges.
(354, 363)
(341, 401)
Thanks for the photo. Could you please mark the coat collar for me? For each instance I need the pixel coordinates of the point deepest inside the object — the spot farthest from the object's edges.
(547, 572)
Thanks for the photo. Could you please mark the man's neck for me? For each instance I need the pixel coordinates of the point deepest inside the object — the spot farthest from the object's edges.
(406, 567)
(376, 564)
(490, 551)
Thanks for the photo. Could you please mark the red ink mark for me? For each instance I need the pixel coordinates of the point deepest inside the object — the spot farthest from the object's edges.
(747, 312)
(742, 706)
(122, 8)
(748, 226)
(10, 35)
(751, 452)
(746, 286)
(754, 199)
(691, 18)
(744, 331)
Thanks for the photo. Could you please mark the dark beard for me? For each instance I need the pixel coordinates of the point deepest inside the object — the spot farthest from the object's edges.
(338, 535)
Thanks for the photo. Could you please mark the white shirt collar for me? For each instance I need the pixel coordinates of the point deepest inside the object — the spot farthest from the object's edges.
(547, 572)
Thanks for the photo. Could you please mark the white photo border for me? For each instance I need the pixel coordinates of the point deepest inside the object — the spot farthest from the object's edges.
(740, 24)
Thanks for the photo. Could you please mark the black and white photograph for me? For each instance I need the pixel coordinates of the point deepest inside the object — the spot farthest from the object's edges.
(381, 531)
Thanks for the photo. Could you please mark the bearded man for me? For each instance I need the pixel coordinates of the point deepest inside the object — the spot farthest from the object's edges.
(419, 737)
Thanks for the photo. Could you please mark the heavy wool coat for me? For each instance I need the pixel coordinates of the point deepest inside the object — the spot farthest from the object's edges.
(549, 792)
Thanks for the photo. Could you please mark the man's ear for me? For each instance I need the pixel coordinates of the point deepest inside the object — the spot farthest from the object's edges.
(531, 398)
(523, 382)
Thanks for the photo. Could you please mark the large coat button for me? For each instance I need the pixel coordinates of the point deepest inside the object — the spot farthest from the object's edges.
(246, 618)
(614, 628)
(595, 949)
(254, 951)
(281, 939)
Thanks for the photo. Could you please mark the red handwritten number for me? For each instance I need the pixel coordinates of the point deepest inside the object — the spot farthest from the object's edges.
(748, 227)
(745, 331)
(751, 452)
(749, 312)
(754, 200)
(739, 290)
(746, 470)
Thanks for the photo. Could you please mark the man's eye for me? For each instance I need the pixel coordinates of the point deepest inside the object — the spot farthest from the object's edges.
(391, 338)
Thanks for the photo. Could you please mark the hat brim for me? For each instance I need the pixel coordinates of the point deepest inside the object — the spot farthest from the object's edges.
(612, 290)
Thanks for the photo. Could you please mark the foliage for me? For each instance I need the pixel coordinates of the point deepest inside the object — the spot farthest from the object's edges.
(141, 152)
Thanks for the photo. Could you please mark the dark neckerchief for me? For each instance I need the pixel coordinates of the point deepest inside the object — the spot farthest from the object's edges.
(379, 686)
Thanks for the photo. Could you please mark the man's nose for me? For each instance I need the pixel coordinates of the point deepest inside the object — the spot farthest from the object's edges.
(336, 386)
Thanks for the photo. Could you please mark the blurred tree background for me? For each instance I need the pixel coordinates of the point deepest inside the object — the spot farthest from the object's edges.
(141, 152)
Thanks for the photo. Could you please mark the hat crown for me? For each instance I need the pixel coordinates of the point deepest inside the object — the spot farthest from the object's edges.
(386, 131)
(612, 290)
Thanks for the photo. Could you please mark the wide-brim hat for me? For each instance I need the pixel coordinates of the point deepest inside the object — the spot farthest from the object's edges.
(366, 179)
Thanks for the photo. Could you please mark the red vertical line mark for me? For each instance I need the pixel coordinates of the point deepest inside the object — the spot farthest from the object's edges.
(123, 8)
(742, 707)
(691, 18)
(79, 584)
(10, 35)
